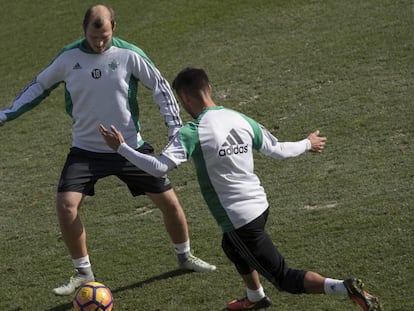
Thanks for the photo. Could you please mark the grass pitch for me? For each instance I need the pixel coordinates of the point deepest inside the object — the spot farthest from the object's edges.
(344, 67)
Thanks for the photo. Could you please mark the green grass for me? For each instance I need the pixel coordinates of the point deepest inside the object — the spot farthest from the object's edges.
(344, 67)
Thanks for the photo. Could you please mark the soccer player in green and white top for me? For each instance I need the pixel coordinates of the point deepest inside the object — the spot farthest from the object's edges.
(221, 142)
(100, 74)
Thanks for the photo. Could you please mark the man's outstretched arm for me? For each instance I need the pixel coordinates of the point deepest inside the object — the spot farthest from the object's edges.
(156, 166)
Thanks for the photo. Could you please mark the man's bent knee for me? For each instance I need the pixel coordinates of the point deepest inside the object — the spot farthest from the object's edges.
(292, 282)
(67, 203)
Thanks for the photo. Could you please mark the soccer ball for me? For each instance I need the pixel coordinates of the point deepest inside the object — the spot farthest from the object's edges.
(93, 296)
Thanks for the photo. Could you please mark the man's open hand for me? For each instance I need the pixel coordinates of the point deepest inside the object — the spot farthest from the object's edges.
(317, 143)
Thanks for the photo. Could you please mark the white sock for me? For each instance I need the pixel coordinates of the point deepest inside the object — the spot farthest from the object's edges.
(83, 265)
(182, 248)
(82, 262)
(333, 286)
(255, 295)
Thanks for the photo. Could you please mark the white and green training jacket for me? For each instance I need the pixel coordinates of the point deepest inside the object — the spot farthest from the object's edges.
(221, 143)
(100, 88)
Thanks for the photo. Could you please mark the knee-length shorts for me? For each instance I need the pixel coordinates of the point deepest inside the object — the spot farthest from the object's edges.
(83, 169)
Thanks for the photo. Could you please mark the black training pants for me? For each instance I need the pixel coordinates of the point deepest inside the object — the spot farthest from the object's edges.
(250, 248)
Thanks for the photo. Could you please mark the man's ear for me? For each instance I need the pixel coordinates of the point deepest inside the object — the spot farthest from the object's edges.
(113, 25)
(209, 89)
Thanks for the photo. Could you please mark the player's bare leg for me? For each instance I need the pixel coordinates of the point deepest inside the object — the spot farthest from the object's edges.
(71, 227)
(176, 225)
(74, 236)
(173, 215)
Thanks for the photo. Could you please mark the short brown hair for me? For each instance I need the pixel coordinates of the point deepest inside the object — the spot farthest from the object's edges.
(97, 21)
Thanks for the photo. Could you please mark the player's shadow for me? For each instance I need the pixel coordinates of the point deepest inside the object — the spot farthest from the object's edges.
(166, 275)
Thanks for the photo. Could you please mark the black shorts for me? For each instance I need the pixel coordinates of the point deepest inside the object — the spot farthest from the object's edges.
(83, 169)
(251, 248)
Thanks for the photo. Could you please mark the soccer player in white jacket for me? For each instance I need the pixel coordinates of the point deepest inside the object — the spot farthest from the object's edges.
(100, 74)
(221, 142)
